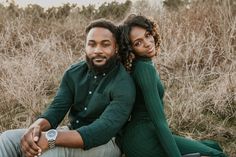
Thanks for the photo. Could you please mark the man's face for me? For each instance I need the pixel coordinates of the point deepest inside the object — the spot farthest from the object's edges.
(100, 46)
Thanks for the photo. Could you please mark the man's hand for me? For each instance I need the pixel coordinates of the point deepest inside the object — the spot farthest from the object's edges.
(29, 142)
(43, 142)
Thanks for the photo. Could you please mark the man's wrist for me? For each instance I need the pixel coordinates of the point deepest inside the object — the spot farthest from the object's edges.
(51, 136)
(42, 123)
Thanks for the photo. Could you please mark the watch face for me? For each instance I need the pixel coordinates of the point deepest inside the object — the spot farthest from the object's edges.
(51, 134)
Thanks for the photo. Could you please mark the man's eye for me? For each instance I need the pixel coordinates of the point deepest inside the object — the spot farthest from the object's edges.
(106, 44)
(91, 44)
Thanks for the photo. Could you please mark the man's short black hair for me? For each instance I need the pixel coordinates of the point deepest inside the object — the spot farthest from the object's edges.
(107, 24)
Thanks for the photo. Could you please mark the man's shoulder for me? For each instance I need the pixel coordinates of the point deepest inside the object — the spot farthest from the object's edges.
(123, 75)
(123, 81)
(122, 71)
(77, 66)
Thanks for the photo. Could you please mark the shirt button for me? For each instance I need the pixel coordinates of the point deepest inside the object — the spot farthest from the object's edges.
(95, 77)
(85, 108)
(90, 92)
(77, 121)
(103, 74)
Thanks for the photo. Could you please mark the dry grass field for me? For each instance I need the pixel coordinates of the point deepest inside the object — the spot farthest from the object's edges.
(197, 64)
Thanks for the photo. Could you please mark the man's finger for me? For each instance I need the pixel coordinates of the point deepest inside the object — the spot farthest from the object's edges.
(27, 149)
(28, 145)
(36, 133)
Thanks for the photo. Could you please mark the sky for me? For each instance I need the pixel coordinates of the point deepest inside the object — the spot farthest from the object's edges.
(50, 3)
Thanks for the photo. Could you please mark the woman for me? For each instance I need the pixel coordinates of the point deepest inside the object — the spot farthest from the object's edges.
(147, 134)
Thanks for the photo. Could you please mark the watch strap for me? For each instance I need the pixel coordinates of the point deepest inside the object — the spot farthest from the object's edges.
(51, 144)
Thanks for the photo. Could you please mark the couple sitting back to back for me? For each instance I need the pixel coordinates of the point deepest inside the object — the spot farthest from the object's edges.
(100, 94)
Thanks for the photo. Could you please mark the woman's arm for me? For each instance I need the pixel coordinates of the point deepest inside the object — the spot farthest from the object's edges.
(146, 77)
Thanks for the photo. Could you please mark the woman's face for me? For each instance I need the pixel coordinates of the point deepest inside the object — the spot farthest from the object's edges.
(142, 42)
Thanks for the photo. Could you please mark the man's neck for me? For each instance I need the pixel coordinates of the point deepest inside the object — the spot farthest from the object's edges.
(110, 64)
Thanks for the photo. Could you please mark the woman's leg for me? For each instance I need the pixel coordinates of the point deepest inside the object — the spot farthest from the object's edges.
(140, 140)
(205, 148)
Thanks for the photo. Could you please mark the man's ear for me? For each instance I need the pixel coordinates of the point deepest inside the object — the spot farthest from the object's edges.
(117, 48)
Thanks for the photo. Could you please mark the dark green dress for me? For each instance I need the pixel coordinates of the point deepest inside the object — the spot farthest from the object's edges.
(148, 134)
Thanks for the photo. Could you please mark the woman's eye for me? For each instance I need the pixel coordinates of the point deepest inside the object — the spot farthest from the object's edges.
(138, 43)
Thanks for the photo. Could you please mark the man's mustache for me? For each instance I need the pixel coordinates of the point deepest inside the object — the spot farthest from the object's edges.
(98, 56)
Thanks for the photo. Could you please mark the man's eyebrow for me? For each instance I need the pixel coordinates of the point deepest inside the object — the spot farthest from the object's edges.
(91, 40)
(106, 40)
(102, 41)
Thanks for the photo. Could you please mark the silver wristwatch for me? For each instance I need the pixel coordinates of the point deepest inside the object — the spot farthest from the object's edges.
(51, 136)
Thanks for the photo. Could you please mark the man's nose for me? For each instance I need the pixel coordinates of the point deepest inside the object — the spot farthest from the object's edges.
(98, 49)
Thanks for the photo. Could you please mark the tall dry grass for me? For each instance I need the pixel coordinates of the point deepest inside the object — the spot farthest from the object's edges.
(197, 64)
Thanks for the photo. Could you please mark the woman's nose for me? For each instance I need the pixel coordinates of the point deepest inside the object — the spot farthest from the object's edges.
(147, 43)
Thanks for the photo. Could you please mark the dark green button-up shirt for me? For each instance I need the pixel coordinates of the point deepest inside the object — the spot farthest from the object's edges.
(98, 103)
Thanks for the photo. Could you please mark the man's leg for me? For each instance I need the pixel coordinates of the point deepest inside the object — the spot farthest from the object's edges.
(107, 150)
(10, 143)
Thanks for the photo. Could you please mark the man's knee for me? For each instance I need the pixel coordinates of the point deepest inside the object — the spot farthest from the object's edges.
(12, 135)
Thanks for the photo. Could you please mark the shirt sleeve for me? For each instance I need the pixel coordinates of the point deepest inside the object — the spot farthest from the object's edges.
(114, 116)
(60, 104)
(145, 76)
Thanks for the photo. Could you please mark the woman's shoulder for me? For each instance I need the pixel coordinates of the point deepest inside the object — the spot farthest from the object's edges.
(143, 65)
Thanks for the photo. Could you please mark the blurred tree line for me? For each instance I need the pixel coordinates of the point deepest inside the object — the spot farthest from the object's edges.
(112, 10)
(176, 4)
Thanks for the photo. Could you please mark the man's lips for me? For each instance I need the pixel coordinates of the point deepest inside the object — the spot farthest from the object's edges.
(98, 58)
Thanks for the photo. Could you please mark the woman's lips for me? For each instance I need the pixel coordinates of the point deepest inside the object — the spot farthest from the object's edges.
(151, 50)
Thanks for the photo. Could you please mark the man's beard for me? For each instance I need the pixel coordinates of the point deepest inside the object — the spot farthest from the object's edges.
(101, 68)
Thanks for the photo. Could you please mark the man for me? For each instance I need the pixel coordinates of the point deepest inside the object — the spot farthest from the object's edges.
(99, 96)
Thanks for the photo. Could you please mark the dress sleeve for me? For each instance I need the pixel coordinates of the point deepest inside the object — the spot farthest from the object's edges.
(145, 76)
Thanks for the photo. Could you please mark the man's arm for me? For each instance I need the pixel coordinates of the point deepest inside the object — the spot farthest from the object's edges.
(31, 136)
(67, 138)
(34, 141)
(49, 119)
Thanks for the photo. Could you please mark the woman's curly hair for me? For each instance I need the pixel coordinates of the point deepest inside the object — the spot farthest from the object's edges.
(125, 46)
